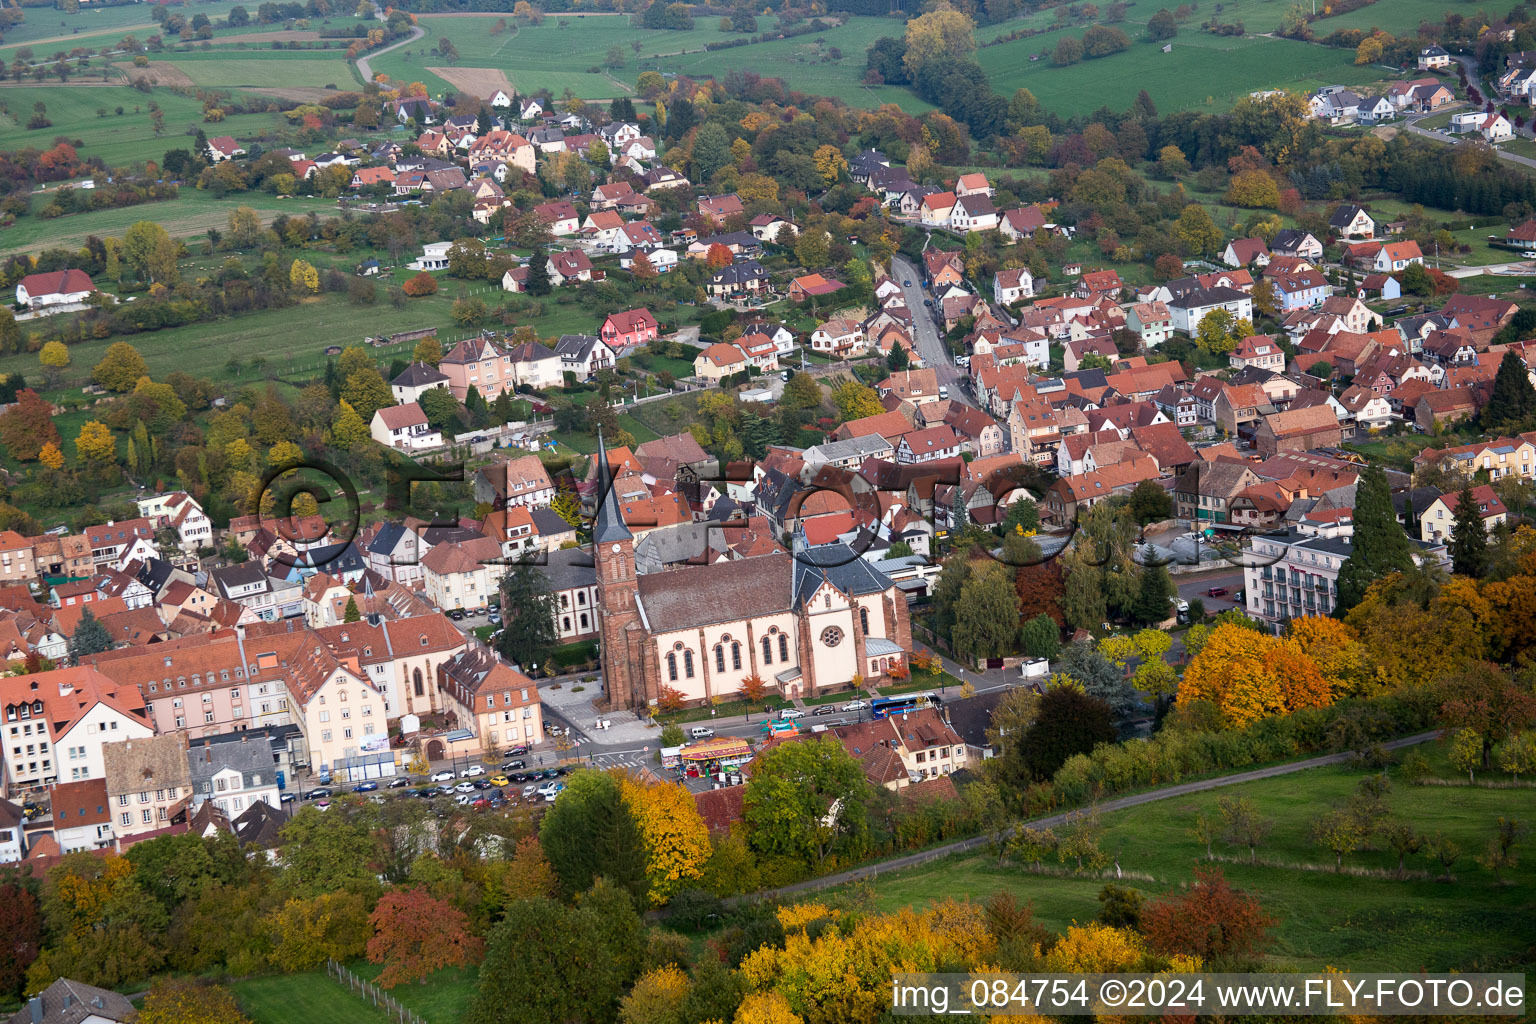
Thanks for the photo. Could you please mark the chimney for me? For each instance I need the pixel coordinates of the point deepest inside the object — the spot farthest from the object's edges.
(35, 1005)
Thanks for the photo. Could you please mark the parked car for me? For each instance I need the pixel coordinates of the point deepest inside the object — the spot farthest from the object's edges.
(324, 805)
(825, 709)
(906, 284)
(550, 790)
(287, 798)
(398, 782)
(500, 780)
(463, 799)
(365, 787)
(442, 776)
(1216, 592)
(529, 791)
(514, 763)
(472, 771)
(517, 751)
(787, 713)
(1528, 255)
(317, 794)
(494, 618)
(457, 615)
(856, 705)
(464, 787)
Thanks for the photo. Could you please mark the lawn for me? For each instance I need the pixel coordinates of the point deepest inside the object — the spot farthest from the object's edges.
(286, 68)
(443, 998)
(283, 998)
(116, 138)
(1203, 71)
(187, 217)
(1398, 17)
(47, 30)
(1350, 922)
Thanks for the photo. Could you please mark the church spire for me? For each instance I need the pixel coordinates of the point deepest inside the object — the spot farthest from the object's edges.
(608, 524)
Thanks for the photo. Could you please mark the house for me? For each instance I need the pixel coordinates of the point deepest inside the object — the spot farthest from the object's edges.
(70, 1002)
(973, 212)
(522, 481)
(919, 387)
(416, 380)
(1300, 289)
(1433, 58)
(233, 772)
(1067, 495)
(478, 363)
(718, 361)
(1152, 321)
(561, 217)
(983, 434)
(115, 544)
(1096, 283)
(1023, 223)
(1350, 221)
(1375, 110)
(224, 147)
(629, 329)
(608, 196)
(1397, 255)
(760, 350)
(458, 575)
(929, 445)
(813, 286)
(434, 256)
(1436, 522)
(582, 355)
(57, 288)
(1203, 492)
(178, 511)
(82, 816)
(148, 783)
(1369, 410)
(936, 209)
(765, 227)
(404, 428)
(748, 277)
(1258, 350)
(944, 269)
(1187, 310)
(1242, 252)
(1493, 127)
(1298, 243)
(570, 267)
(661, 260)
(1353, 315)
(1010, 286)
(718, 208)
(1446, 406)
(505, 147)
(1297, 430)
(839, 337)
(973, 185)
(497, 703)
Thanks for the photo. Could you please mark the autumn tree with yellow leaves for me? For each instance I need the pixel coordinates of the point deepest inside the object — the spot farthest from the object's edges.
(675, 837)
(1248, 675)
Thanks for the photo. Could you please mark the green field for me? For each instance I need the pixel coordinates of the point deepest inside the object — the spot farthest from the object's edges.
(117, 139)
(187, 217)
(1355, 923)
(1399, 17)
(1203, 71)
(44, 28)
(271, 69)
(283, 998)
(443, 998)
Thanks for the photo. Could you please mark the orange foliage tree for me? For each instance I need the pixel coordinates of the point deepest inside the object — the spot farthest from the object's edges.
(754, 688)
(416, 934)
(422, 284)
(718, 256)
(1210, 920)
(670, 699)
(1250, 675)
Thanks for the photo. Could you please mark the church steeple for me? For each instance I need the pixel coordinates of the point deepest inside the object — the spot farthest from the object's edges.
(608, 524)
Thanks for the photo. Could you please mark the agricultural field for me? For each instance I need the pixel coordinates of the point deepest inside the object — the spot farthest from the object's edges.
(265, 68)
(45, 29)
(1399, 17)
(1204, 72)
(1363, 921)
(88, 116)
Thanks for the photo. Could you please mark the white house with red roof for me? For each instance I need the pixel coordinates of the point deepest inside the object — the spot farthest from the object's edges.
(404, 428)
(224, 147)
(1396, 256)
(57, 722)
(1435, 523)
(56, 288)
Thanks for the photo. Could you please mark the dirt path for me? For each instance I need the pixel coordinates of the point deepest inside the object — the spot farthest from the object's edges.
(1134, 800)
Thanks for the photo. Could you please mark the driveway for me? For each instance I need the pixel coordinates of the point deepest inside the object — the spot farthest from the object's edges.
(929, 345)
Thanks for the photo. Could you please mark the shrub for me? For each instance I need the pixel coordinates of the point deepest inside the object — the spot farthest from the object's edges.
(422, 284)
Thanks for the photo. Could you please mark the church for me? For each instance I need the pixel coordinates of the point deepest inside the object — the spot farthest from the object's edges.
(804, 623)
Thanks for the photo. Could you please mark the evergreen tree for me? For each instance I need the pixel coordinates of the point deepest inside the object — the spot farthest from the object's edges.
(538, 276)
(1379, 548)
(1513, 402)
(351, 614)
(90, 637)
(1469, 541)
(528, 615)
(1151, 604)
(897, 360)
(960, 517)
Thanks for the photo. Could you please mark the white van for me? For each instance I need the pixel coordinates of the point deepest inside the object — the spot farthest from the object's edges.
(550, 790)
(701, 732)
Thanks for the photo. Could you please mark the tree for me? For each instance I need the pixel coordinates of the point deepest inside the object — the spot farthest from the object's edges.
(120, 368)
(855, 401)
(1197, 231)
(1499, 855)
(942, 37)
(711, 151)
(1243, 825)
(1216, 332)
(1518, 755)
(190, 1001)
(27, 426)
(1483, 698)
(812, 249)
(803, 799)
(538, 282)
(54, 355)
(591, 832)
(641, 268)
(415, 934)
(422, 284)
(50, 456)
(307, 932)
(348, 429)
(1250, 675)
(21, 922)
(367, 392)
(1253, 189)
(528, 614)
(987, 617)
(1162, 26)
(1512, 405)
(1469, 538)
(1210, 920)
(90, 637)
(897, 359)
(528, 875)
(303, 277)
(1379, 548)
(328, 853)
(1068, 51)
(94, 446)
(1339, 831)
(1067, 722)
(1152, 604)
(675, 838)
(830, 164)
(1150, 503)
(1040, 637)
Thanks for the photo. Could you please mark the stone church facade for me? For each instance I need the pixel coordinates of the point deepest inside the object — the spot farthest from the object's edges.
(803, 623)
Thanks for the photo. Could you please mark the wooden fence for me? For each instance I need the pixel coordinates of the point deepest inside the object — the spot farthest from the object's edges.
(371, 993)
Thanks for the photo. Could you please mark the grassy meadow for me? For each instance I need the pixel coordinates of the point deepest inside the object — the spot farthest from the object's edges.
(1367, 921)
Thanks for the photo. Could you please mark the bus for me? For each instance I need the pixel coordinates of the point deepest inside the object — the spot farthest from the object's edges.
(880, 707)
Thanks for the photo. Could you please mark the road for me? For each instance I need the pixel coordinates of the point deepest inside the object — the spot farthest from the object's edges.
(1121, 803)
(1475, 81)
(366, 70)
(930, 346)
